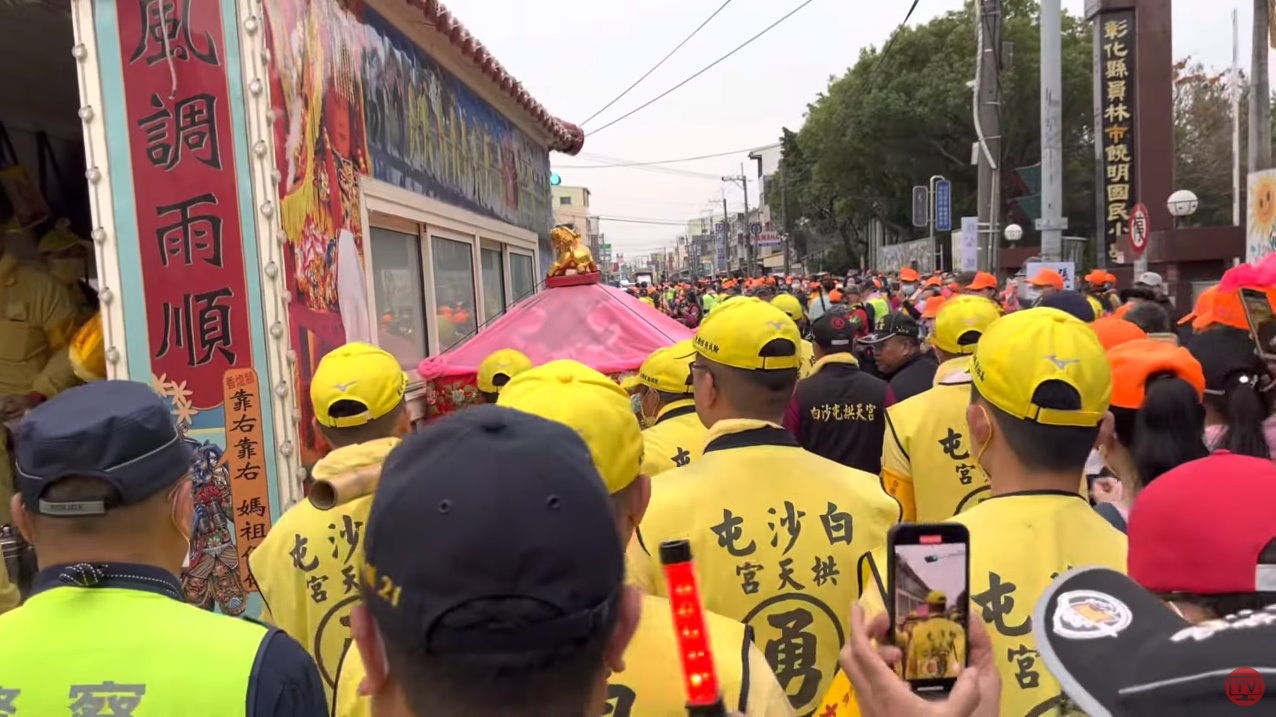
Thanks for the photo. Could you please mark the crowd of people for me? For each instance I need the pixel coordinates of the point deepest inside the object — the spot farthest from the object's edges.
(1110, 458)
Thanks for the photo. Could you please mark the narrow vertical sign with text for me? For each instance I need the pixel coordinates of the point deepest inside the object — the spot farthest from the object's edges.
(245, 460)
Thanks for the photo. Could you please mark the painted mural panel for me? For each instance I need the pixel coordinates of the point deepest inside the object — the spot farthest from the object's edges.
(352, 96)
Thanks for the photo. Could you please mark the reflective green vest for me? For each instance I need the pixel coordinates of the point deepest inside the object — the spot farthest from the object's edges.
(880, 309)
(72, 650)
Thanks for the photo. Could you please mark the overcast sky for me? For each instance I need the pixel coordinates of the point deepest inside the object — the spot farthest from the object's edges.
(576, 55)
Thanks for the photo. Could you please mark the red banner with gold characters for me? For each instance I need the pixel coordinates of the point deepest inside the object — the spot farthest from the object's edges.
(245, 458)
(178, 109)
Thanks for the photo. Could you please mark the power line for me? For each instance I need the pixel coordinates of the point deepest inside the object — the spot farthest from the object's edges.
(638, 220)
(890, 42)
(656, 66)
(665, 161)
(705, 69)
(658, 169)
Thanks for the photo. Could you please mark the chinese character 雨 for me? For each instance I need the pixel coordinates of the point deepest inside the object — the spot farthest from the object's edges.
(190, 233)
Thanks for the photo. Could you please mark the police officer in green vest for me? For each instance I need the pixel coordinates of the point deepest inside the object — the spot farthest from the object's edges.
(104, 496)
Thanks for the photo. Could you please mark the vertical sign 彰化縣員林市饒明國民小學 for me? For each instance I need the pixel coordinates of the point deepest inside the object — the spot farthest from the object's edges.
(1115, 74)
(245, 460)
(177, 105)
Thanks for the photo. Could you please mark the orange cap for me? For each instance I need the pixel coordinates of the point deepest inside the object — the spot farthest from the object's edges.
(1220, 307)
(1134, 362)
(835, 295)
(933, 305)
(908, 273)
(983, 280)
(934, 281)
(1114, 332)
(1047, 277)
(1109, 277)
(1097, 277)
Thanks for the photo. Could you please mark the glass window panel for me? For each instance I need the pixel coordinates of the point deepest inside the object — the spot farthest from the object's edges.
(493, 284)
(399, 293)
(521, 282)
(453, 290)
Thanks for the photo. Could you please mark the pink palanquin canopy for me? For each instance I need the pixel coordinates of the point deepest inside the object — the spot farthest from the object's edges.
(595, 324)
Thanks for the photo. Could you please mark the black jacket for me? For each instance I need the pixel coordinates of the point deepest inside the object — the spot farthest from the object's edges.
(916, 375)
(838, 412)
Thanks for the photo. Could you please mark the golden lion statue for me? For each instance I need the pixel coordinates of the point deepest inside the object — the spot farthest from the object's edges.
(573, 256)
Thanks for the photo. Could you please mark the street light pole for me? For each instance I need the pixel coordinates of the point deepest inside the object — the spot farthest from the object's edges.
(1052, 221)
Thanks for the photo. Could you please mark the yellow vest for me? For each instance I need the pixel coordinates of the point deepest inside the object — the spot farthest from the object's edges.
(1018, 543)
(776, 533)
(9, 597)
(70, 646)
(806, 356)
(651, 685)
(928, 458)
(675, 439)
(936, 648)
(308, 566)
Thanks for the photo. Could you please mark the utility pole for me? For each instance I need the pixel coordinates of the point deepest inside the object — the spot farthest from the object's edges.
(748, 233)
(1052, 220)
(1236, 120)
(726, 230)
(1260, 132)
(784, 219)
(743, 180)
(987, 111)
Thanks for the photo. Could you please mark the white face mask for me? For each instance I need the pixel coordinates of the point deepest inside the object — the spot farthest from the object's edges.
(909, 288)
(1032, 294)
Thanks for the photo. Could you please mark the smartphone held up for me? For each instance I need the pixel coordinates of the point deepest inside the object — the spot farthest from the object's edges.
(929, 596)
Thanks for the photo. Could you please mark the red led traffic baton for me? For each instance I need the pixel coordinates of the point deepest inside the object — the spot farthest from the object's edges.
(700, 678)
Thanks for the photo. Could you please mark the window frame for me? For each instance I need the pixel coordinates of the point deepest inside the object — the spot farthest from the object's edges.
(391, 207)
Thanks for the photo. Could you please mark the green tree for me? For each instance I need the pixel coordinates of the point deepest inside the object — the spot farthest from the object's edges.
(1203, 140)
(892, 121)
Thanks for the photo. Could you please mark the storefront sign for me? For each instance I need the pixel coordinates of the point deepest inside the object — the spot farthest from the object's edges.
(1114, 75)
(177, 104)
(245, 458)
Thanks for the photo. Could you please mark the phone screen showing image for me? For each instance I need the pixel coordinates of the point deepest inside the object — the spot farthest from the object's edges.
(930, 594)
(1262, 325)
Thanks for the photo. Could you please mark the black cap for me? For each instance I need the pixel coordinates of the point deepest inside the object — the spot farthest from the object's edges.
(1070, 302)
(899, 323)
(1118, 650)
(118, 431)
(491, 531)
(835, 328)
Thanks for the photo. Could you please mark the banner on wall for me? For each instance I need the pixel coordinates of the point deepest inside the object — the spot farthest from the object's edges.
(177, 104)
(1260, 226)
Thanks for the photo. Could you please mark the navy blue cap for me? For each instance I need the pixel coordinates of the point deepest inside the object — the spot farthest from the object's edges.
(1069, 302)
(118, 431)
(491, 531)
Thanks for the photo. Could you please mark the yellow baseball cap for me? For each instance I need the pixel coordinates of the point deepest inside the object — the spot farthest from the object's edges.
(735, 334)
(506, 363)
(358, 372)
(1021, 351)
(958, 317)
(590, 403)
(668, 368)
(790, 305)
